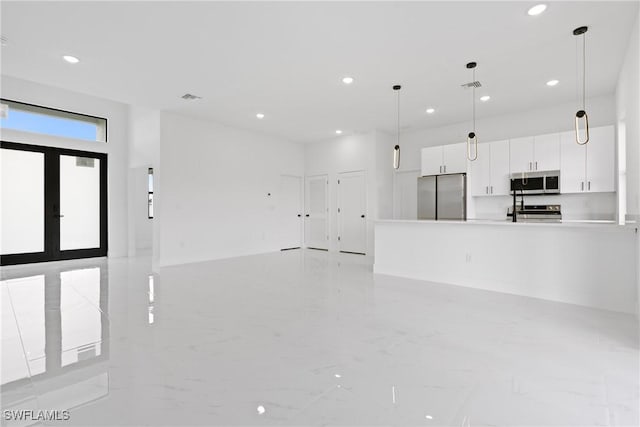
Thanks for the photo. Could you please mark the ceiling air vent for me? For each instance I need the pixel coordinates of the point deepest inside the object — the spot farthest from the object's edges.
(472, 84)
(190, 97)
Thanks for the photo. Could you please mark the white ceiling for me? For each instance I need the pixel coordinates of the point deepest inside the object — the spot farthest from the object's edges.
(287, 59)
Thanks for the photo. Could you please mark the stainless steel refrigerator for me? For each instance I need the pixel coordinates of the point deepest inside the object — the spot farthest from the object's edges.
(442, 197)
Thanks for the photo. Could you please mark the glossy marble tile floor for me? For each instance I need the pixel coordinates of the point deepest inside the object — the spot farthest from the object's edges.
(303, 338)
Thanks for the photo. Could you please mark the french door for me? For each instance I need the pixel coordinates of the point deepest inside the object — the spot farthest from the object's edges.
(53, 204)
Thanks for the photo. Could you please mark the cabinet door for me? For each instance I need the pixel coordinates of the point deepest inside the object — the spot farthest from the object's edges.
(455, 158)
(572, 164)
(521, 154)
(500, 179)
(480, 171)
(431, 160)
(601, 160)
(546, 155)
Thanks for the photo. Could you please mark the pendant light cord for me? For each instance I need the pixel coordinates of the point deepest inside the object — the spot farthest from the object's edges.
(584, 71)
(474, 101)
(398, 124)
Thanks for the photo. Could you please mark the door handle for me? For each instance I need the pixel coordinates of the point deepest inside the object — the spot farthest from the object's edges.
(582, 186)
(361, 216)
(589, 185)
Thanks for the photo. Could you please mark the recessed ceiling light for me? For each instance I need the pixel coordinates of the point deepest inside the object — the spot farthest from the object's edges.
(71, 59)
(485, 98)
(260, 116)
(552, 82)
(347, 80)
(537, 9)
(338, 132)
(431, 110)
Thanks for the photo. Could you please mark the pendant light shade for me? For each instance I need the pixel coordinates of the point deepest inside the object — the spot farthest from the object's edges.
(396, 149)
(472, 138)
(581, 115)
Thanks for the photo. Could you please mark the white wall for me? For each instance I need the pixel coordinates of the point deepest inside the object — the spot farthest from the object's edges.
(628, 120)
(144, 152)
(116, 147)
(535, 122)
(371, 153)
(213, 187)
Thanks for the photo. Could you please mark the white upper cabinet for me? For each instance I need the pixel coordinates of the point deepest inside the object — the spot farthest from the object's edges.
(455, 158)
(500, 178)
(489, 173)
(539, 153)
(480, 171)
(601, 160)
(521, 158)
(442, 159)
(573, 162)
(546, 152)
(431, 160)
(589, 167)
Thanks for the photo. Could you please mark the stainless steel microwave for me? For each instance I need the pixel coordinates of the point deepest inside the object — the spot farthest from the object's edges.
(538, 182)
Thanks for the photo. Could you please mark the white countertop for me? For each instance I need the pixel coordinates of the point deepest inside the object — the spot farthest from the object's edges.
(604, 224)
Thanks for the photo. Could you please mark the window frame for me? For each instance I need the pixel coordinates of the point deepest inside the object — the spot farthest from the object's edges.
(62, 114)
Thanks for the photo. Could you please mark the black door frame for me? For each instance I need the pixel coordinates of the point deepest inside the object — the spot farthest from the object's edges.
(51, 212)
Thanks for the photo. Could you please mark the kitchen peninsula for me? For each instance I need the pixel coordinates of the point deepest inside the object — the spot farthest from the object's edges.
(586, 263)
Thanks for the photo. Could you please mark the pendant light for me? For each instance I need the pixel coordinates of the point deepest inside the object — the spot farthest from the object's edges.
(582, 114)
(396, 149)
(472, 138)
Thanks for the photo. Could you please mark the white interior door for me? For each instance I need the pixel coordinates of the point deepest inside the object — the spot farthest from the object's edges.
(352, 222)
(316, 206)
(290, 211)
(405, 195)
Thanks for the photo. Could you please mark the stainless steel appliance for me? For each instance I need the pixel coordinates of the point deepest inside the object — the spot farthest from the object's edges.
(442, 197)
(538, 182)
(536, 213)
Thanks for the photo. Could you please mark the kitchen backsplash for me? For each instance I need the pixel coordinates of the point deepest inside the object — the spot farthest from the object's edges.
(586, 206)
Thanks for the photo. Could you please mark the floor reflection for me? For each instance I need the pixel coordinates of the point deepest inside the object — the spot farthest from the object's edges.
(55, 339)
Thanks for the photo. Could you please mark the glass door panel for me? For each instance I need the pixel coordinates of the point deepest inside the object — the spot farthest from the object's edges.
(21, 201)
(79, 202)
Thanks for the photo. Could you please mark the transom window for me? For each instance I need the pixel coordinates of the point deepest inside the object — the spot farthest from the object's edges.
(49, 121)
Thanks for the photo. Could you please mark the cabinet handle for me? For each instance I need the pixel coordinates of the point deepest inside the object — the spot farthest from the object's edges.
(445, 168)
(582, 186)
(440, 168)
(536, 165)
(492, 189)
(530, 166)
(589, 185)
(486, 190)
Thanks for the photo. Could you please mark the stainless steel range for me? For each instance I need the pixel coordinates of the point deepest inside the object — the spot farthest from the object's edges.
(536, 213)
